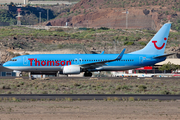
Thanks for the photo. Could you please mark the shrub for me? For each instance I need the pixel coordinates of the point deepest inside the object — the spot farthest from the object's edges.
(169, 66)
(22, 83)
(92, 29)
(44, 92)
(14, 54)
(124, 87)
(142, 87)
(68, 99)
(73, 36)
(77, 84)
(60, 46)
(142, 43)
(165, 92)
(132, 38)
(6, 87)
(121, 38)
(103, 28)
(167, 13)
(59, 30)
(118, 87)
(131, 98)
(128, 43)
(9, 92)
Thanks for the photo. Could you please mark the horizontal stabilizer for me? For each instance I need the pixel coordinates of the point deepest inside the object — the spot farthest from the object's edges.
(165, 55)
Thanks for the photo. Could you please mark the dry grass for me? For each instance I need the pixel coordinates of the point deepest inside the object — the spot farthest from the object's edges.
(89, 86)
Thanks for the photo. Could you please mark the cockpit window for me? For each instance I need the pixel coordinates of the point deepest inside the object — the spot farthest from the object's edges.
(13, 60)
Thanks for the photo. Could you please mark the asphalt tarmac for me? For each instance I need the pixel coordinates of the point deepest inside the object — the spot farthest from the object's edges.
(89, 96)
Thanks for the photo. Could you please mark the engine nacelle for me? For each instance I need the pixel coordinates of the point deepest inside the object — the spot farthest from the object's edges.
(71, 69)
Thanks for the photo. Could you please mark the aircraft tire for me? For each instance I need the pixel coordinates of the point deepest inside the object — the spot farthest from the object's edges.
(20, 74)
(87, 74)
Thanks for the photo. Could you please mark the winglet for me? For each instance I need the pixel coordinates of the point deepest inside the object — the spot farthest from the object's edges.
(102, 52)
(121, 54)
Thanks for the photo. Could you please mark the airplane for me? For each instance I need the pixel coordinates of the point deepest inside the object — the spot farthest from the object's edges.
(68, 64)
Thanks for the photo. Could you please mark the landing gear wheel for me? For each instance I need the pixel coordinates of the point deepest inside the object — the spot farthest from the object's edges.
(20, 74)
(87, 74)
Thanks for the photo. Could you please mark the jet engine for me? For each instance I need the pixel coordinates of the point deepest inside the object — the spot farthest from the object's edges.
(71, 70)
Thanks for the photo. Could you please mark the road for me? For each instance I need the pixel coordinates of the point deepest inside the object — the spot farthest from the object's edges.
(51, 2)
(89, 96)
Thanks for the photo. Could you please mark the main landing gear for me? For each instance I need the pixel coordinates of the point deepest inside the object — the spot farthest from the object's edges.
(20, 74)
(87, 74)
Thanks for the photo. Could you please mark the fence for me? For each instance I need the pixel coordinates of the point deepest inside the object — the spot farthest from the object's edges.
(4, 24)
(133, 21)
(57, 0)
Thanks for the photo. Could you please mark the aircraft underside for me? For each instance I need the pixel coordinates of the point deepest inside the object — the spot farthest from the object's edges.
(55, 69)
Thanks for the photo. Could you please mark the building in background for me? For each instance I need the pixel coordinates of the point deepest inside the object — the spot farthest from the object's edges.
(14, 1)
(6, 72)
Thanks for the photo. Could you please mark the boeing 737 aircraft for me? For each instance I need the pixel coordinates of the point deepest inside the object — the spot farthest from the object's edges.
(67, 64)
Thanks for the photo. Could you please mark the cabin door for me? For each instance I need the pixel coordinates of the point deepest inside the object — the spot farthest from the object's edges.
(25, 60)
(141, 60)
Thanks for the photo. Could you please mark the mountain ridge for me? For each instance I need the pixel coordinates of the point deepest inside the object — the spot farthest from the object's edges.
(98, 13)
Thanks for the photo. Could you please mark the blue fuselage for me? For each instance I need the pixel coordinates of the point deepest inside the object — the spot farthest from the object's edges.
(56, 62)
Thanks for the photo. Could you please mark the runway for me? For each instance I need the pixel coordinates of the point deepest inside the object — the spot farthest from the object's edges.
(89, 96)
(91, 78)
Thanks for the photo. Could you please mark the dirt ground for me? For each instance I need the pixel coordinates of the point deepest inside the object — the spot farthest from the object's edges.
(90, 110)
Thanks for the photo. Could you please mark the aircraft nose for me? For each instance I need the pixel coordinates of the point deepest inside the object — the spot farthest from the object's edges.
(5, 65)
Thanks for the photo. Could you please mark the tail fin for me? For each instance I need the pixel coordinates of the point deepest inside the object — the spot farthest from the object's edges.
(158, 42)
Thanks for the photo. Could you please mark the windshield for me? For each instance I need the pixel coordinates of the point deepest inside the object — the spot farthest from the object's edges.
(13, 60)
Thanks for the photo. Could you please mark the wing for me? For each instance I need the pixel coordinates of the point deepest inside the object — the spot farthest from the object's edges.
(101, 63)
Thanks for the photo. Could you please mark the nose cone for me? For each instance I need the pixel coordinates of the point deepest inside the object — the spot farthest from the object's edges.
(6, 64)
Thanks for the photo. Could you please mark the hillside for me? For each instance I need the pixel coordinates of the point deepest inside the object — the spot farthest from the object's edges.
(21, 40)
(100, 14)
(110, 13)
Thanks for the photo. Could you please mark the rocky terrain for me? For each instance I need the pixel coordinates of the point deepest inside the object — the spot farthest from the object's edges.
(111, 13)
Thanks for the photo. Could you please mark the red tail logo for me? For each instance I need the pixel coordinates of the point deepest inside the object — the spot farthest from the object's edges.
(159, 48)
